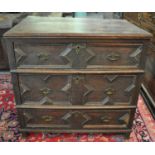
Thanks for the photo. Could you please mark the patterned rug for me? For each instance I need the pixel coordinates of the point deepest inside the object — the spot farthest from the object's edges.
(143, 127)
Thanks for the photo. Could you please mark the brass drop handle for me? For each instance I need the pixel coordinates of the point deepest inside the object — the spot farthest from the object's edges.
(113, 57)
(109, 91)
(47, 118)
(45, 91)
(105, 119)
(43, 57)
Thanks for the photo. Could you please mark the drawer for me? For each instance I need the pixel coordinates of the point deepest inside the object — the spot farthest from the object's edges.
(74, 119)
(82, 89)
(85, 56)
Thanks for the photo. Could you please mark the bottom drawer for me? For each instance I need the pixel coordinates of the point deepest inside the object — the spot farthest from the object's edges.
(32, 118)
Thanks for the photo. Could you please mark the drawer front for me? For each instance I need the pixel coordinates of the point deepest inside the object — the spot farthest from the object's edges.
(78, 55)
(47, 89)
(73, 119)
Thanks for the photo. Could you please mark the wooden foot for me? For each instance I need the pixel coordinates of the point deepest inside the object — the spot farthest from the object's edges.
(127, 135)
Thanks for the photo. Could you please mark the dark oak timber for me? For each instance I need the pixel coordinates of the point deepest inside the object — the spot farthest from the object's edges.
(76, 75)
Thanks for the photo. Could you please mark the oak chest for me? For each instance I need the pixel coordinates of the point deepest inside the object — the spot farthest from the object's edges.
(76, 75)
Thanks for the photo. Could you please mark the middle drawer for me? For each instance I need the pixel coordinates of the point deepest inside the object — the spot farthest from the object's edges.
(74, 89)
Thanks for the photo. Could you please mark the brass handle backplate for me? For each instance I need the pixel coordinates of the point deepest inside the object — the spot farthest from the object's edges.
(43, 57)
(105, 119)
(109, 91)
(113, 57)
(47, 118)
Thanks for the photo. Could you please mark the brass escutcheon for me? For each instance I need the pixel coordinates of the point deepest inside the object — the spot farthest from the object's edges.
(78, 47)
(77, 79)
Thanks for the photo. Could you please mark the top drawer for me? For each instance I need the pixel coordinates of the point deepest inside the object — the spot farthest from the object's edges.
(78, 55)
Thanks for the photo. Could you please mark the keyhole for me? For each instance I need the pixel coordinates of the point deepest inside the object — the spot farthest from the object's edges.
(77, 49)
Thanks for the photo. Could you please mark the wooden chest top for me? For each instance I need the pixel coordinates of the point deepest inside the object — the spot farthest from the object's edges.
(76, 27)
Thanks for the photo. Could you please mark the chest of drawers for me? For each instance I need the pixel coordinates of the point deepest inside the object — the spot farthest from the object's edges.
(76, 75)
